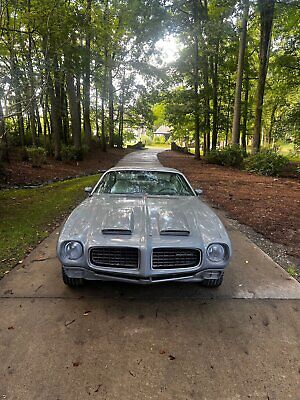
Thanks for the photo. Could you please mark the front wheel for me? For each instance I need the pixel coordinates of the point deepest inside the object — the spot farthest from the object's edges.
(71, 282)
(213, 283)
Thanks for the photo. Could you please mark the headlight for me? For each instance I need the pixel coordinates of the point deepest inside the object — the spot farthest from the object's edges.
(216, 252)
(72, 250)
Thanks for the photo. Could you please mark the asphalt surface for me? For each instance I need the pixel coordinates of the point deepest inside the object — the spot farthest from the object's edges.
(171, 341)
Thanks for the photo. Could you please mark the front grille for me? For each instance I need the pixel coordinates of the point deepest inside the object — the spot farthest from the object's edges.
(115, 257)
(175, 258)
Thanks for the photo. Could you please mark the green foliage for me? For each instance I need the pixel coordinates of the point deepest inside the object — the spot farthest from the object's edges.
(231, 156)
(159, 139)
(267, 162)
(36, 155)
(292, 270)
(70, 153)
(147, 140)
(159, 113)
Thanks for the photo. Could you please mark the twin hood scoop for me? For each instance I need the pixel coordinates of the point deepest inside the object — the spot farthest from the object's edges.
(169, 223)
(118, 222)
(172, 223)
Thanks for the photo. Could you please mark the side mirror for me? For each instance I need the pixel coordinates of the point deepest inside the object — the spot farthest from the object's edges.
(88, 190)
(198, 192)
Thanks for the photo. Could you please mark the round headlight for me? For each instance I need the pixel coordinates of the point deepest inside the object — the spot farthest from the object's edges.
(216, 252)
(73, 250)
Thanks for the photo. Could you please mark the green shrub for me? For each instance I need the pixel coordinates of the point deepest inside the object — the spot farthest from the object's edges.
(70, 153)
(231, 156)
(266, 162)
(147, 140)
(36, 155)
(159, 139)
(214, 157)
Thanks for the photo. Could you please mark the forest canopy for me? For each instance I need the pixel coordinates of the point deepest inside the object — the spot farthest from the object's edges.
(78, 72)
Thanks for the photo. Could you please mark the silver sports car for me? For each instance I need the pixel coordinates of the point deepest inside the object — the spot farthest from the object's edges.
(143, 226)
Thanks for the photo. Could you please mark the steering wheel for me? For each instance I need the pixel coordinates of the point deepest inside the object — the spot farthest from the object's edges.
(167, 191)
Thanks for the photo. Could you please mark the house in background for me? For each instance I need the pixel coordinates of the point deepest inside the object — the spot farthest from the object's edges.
(163, 131)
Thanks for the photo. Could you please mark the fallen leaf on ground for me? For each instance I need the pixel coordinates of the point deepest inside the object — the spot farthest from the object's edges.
(162, 352)
(98, 387)
(171, 357)
(76, 364)
(86, 313)
(67, 323)
(11, 327)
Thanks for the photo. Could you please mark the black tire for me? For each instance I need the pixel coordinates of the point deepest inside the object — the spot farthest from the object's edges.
(71, 282)
(213, 283)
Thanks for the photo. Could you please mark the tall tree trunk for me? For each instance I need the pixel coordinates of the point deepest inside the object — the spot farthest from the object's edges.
(75, 120)
(15, 74)
(239, 77)
(45, 119)
(228, 111)
(266, 8)
(78, 98)
(87, 80)
(103, 133)
(196, 79)
(57, 89)
(245, 106)
(97, 115)
(55, 119)
(39, 125)
(64, 112)
(121, 125)
(206, 147)
(55, 113)
(215, 61)
(110, 108)
(31, 91)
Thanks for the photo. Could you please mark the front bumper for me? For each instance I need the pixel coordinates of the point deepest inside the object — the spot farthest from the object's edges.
(191, 276)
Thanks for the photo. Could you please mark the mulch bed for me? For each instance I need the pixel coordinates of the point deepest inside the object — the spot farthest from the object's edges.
(19, 173)
(271, 206)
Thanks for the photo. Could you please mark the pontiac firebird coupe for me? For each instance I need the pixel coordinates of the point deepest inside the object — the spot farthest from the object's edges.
(143, 226)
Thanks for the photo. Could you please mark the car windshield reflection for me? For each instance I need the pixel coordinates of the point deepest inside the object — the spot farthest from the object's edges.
(152, 183)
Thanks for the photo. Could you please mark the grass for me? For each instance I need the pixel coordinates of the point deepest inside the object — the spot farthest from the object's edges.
(27, 216)
(292, 271)
(159, 146)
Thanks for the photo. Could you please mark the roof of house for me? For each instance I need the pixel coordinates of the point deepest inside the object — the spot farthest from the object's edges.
(163, 129)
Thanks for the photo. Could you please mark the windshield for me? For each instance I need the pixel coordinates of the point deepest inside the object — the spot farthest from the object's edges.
(153, 183)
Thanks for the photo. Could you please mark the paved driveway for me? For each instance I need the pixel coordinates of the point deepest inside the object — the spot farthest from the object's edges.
(173, 341)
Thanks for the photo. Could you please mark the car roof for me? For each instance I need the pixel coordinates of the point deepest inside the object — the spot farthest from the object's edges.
(144, 168)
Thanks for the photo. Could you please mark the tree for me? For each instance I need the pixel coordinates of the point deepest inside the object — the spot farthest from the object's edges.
(239, 77)
(266, 9)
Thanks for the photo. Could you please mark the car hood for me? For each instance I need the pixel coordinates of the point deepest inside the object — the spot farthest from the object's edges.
(108, 220)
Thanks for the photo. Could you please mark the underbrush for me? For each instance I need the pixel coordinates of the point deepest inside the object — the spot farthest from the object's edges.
(266, 162)
(70, 153)
(231, 156)
(36, 156)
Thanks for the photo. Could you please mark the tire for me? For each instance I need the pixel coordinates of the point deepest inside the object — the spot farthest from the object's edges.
(213, 283)
(71, 282)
